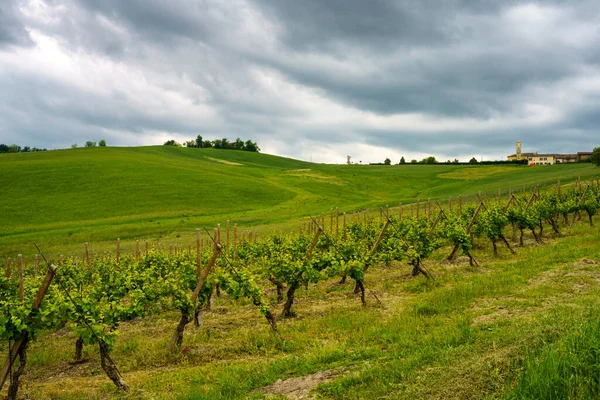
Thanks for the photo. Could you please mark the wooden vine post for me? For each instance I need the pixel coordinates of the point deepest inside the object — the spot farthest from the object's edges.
(7, 270)
(21, 283)
(177, 338)
(19, 347)
(36, 265)
(118, 250)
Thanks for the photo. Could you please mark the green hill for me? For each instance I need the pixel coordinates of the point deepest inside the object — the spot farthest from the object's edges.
(61, 199)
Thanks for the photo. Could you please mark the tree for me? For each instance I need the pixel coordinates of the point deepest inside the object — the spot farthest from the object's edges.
(413, 161)
(207, 144)
(473, 161)
(171, 142)
(428, 160)
(239, 144)
(387, 161)
(26, 149)
(402, 160)
(13, 148)
(74, 146)
(199, 141)
(190, 143)
(102, 143)
(595, 157)
(89, 143)
(251, 146)
(3, 148)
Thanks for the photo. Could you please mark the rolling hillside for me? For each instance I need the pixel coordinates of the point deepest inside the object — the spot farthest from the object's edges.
(61, 199)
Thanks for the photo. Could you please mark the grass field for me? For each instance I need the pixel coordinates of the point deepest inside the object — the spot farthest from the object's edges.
(64, 198)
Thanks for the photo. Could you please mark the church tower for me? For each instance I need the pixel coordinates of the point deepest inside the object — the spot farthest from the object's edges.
(519, 150)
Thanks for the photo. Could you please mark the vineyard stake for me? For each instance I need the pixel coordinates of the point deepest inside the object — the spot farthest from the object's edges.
(337, 222)
(16, 347)
(198, 251)
(87, 256)
(118, 250)
(21, 283)
(227, 237)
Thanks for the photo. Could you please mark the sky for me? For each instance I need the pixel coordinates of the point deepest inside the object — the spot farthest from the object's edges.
(316, 80)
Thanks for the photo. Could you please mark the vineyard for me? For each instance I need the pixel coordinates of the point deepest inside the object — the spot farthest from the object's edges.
(93, 297)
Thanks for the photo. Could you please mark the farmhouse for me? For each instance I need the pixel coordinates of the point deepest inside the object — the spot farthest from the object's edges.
(546, 159)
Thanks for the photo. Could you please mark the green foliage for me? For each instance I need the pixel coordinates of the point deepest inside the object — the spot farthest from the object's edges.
(473, 160)
(172, 142)
(595, 157)
(102, 143)
(402, 160)
(89, 143)
(387, 161)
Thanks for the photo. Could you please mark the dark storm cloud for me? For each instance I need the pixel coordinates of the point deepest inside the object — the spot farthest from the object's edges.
(471, 77)
(12, 31)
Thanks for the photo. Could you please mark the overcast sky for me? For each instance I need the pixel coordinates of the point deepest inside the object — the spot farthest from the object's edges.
(310, 79)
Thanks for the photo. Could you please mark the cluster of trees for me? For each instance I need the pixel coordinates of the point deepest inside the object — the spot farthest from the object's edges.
(89, 143)
(224, 143)
(13, 148)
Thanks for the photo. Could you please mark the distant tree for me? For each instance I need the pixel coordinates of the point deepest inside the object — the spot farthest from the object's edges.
(74, 146)
(26, 149)
(402, 160)
(473, 161)
(3, 148)
(455, 161)
(102, 143)
(171, 142)
(224, 143)
(198, 141)
(413, 161)
(251, 146)
(428, 160)
(89, 143)
(207, 143)
(387, 161)
(13, 148)
(190, 143)
(239, 144)
(216, 144)
(595, 157)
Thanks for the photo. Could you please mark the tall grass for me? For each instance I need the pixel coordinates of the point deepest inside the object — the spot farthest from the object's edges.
(566, 369)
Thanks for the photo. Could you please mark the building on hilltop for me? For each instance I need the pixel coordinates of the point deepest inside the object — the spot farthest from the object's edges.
(519, 155)
(547, 159)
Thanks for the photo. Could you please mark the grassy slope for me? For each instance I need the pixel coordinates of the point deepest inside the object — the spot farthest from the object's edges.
(63, 198)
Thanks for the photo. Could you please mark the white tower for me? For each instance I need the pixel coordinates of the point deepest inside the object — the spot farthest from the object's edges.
(519, 150)
(348, 160)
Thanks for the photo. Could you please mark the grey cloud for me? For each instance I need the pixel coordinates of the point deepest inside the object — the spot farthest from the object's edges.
(12, 30)
(453, 59)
